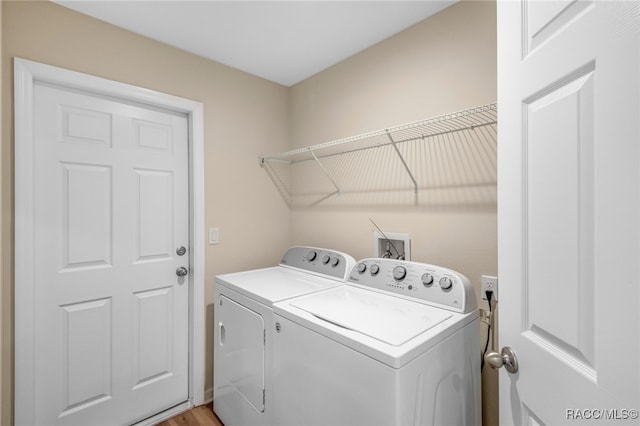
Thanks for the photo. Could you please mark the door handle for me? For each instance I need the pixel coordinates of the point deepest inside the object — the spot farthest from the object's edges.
(222, 335)
(182, 271)
(506, 357)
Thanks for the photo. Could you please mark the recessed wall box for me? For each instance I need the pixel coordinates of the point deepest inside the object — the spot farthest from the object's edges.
(392, 245)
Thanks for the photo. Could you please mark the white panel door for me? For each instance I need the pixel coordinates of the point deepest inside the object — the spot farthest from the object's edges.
(569, 210)
(111, 207)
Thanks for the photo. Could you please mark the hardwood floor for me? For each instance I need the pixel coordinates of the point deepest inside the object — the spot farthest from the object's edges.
(198, 416)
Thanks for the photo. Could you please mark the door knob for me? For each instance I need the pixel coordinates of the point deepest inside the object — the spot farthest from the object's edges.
(506, 357)
(182, 271)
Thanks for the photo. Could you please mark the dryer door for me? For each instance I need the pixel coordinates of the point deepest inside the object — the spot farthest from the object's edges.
(241, 340)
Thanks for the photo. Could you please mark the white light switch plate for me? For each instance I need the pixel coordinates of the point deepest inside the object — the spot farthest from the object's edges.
(214, 236)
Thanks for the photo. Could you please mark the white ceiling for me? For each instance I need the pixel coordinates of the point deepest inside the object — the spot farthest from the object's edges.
(281, 41)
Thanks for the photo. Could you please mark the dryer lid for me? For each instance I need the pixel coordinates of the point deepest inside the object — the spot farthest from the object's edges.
(275, 283)
(389, 319)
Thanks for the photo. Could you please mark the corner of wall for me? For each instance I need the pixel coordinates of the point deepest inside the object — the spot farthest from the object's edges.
(3, 420)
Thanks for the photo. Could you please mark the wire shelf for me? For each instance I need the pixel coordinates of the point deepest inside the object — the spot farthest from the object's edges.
(443, 160)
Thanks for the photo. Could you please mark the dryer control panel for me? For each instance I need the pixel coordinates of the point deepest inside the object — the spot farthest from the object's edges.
(427, 283)
(320, 261)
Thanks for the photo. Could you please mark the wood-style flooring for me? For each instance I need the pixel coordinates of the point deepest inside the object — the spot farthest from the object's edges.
(198, 416)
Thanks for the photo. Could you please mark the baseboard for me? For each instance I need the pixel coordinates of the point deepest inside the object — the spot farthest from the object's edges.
(208, 395)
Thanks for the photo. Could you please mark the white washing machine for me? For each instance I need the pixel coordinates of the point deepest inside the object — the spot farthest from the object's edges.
(397, 345)
(243, 333)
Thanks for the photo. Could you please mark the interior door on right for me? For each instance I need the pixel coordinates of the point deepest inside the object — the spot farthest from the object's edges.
(569, 210)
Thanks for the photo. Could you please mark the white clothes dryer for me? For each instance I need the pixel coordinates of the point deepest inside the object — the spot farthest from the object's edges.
(397, 345)
(243, 333)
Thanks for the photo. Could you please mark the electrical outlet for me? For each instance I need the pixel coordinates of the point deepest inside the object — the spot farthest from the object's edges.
(488, 283)
(485, 316)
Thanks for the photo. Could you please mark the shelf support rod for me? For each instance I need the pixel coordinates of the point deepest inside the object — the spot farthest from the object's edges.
(324, 170)
(406, 167)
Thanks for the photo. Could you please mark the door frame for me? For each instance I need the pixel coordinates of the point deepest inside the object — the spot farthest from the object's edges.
(26, 75)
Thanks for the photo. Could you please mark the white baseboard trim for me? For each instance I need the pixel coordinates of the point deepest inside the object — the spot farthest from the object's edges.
(208, 395)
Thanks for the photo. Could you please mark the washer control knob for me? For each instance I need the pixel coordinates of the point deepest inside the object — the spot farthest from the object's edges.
(362, 267)
(374, 269)
(427, 279)
(399, 272)
(446, 283)
(335, 261)
(326, 258)
(311, 256)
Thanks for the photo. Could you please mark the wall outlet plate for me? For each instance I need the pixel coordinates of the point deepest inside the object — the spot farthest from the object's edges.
(399, 241)
(488, 283)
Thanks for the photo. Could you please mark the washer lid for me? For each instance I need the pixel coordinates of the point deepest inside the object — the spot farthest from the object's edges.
(389, 319)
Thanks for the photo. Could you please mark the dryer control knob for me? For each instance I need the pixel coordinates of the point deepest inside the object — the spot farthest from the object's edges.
(399, 272)
(335, 261)
(311, 256)
(427, 279)
(362, 267)
(374, 269)
(445, 283)
(326, 258)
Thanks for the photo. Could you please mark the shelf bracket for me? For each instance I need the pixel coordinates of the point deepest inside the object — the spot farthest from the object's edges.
(276, 179)
(406, 167)
(326, 173)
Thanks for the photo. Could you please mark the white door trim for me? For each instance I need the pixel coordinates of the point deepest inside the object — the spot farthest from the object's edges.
(26, 73)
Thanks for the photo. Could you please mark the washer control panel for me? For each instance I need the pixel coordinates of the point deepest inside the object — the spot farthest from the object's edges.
(428, 283)
(320, 261)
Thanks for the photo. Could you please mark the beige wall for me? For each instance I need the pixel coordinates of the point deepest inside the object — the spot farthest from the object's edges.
(244, 117)
(443, 64)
